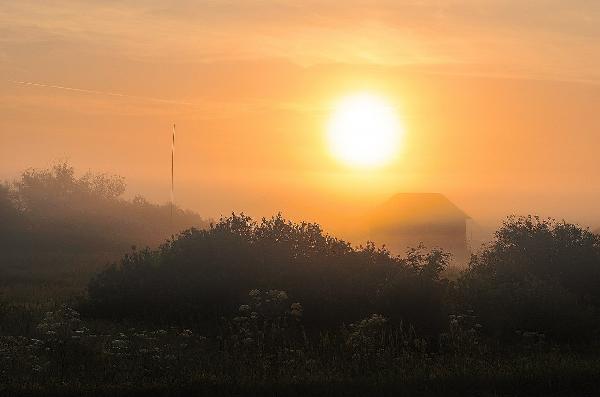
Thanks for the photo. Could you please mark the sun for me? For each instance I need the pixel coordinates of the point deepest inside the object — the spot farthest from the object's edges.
(364, 131)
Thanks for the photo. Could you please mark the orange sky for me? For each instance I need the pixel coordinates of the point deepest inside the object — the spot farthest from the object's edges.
(500, 100)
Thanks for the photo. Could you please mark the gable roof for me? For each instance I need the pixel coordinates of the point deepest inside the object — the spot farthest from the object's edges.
(417, 209)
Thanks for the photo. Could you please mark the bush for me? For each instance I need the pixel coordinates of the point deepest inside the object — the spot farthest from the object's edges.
(537, 275)
(203, 274)
(12, 227)
(54, 210)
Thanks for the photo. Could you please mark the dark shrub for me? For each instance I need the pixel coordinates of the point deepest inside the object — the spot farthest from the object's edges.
(12, 227)
(56, 210)
(204, 274)
(537, 275)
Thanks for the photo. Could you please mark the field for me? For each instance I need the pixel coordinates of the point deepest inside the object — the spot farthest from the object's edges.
(273, 307)
(48, 348)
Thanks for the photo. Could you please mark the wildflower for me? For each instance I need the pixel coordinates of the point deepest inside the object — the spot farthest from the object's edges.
(296, 309)
(277, 295)
(119, 344)
(186, 333)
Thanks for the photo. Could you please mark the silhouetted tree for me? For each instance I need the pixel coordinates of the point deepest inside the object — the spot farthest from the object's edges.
(66, 213)
(12, 226)
(537, 275)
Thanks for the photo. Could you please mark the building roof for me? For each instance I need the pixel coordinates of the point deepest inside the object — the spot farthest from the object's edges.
(417, 209)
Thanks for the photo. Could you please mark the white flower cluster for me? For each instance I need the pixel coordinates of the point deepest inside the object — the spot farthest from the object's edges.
(62, 323)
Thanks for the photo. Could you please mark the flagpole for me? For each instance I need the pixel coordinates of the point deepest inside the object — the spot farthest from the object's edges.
(172, 172)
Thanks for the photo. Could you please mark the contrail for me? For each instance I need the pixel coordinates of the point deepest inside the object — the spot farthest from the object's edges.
(107, 93)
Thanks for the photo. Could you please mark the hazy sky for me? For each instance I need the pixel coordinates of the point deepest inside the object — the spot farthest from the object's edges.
(500, 99)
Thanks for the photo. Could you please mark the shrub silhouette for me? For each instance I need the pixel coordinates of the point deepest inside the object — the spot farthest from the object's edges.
(55, 210)
(537, 275)
(12, 226)
(204, 274)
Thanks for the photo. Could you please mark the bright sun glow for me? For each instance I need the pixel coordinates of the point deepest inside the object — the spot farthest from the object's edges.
(364, 131)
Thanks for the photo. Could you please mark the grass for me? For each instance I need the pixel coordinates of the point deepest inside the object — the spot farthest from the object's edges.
(542, 374)
(49, 276)
(53, 351)
(49, 349)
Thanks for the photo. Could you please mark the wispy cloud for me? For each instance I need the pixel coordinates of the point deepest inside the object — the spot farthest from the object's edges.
(538, 39)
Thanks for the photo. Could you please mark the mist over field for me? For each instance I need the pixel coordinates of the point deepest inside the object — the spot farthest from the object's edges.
(283, 198)
(118, 291)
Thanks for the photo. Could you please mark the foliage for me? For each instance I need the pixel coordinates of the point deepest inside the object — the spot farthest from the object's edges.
(12, 227)
(67, 354)
(42, 191)
(463, 335)
(320, 313)
(267, 319)
(56, 210)
(421, 294)
(321, 317)
(202, 274)
(537, 275)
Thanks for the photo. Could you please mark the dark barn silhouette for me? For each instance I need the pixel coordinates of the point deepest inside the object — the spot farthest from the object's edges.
(409, 219)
